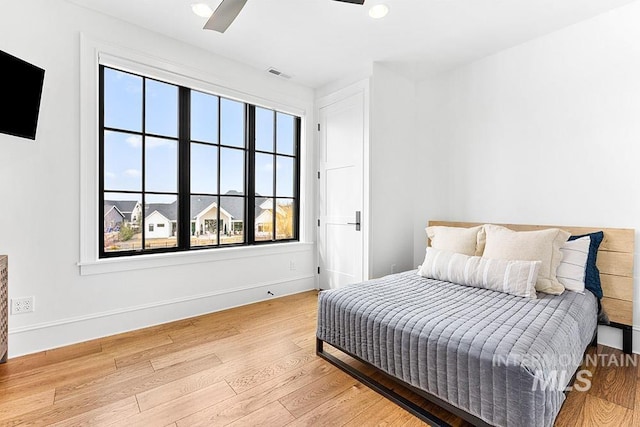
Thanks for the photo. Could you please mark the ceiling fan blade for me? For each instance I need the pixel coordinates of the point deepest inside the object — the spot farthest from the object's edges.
(352, 1)
(224, 15)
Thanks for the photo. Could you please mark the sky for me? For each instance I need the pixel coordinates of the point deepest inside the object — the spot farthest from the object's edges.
(123, 151)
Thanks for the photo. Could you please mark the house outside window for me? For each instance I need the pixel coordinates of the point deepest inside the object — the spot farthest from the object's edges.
(207, 171)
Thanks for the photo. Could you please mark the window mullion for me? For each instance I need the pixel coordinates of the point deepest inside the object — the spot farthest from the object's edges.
(144, 152)
(184, 168)
(101, 166)
(296, 177)
(250, 181)
(219, 172)
(275, 172)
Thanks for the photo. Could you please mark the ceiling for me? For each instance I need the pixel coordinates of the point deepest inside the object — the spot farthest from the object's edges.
(320, 41)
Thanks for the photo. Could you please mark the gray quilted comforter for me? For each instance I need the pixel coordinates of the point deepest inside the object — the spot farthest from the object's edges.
(494, 355)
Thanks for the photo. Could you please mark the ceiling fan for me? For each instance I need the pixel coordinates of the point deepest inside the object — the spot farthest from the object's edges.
(227, 11)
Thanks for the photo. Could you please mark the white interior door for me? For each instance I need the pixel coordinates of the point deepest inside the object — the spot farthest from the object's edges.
(341, 146)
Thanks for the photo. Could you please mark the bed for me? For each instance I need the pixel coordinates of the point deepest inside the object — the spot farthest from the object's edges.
(489, 357)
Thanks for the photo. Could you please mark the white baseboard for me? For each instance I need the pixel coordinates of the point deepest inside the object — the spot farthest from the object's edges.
(612, 337)
(46, 336)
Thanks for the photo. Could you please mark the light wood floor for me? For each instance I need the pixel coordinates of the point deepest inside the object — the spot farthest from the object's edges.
(253, 365)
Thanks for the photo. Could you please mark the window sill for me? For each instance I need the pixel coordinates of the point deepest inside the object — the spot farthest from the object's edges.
(113, 265)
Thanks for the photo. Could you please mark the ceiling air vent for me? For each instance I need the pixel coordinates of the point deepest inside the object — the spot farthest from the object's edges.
(278, 73)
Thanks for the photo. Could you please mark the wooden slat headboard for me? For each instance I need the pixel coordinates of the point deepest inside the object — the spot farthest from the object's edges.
(615, 262)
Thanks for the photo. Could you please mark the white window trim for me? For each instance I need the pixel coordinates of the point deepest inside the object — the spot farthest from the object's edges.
(94, 53)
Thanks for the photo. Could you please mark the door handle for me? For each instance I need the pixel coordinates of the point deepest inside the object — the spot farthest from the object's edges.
(357, 223)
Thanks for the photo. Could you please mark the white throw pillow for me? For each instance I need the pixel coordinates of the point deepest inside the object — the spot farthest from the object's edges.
(572, 268)
(541, 245)
(509, 276)
(468, 241)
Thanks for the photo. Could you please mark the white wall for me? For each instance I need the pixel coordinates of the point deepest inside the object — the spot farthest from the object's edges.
(546, 133)
(391, 171)
(45, 176)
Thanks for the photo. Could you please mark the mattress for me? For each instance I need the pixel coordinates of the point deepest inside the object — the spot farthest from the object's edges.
(502, 358)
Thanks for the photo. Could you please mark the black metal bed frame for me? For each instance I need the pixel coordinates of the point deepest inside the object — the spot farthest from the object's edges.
(405, 403)
(401, 401)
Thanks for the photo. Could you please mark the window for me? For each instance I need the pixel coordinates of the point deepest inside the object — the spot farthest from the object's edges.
(207, 171)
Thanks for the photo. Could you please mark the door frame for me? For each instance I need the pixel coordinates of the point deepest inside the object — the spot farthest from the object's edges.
(360, 87)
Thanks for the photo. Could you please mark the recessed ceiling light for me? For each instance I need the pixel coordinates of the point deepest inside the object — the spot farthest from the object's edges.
(378, 11)
(201, 9)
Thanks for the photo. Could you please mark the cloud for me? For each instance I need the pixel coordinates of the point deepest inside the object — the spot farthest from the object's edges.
(134, 141)
(133, 173)
(110, 175)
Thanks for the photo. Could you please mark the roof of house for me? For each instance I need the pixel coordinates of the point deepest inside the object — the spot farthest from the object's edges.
(232, 202)
(168, 210)
(108, 208)
(124, 206)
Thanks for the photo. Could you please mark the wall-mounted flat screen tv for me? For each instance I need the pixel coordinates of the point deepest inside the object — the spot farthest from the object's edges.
(20, 92)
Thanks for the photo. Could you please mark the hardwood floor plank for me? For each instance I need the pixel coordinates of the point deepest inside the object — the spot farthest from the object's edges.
(197, 334)
(22, 363)
(53, 372)
(133, 386)
(111, 414)
(94, 397)
(181, 407)
(615, 380)
(180, 387)
(81, 386)
(253, 399)
(126, 346)
(636, 408)
(602, 413)
(383, 413)
(315, 394)
(186, 355)
(572, 413)
(51, 379)
(180, 343)
(271, 415)
(258, 344)
(230, 349)
(74, 350)
(350, 403)
(11, 406)
(249, 377)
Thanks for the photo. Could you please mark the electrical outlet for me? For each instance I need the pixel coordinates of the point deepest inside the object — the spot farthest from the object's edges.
(393, 268)
(292, 265)
(22, 305)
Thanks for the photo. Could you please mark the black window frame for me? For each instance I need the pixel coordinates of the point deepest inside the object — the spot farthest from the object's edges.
(184, 141)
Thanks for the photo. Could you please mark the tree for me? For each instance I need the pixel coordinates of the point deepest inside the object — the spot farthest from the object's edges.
(284, 221)
(125, 233)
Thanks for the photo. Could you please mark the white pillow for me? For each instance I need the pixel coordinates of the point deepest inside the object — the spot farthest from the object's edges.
(509, 276)
(541, 245)
(572, 268)
(468, 241)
